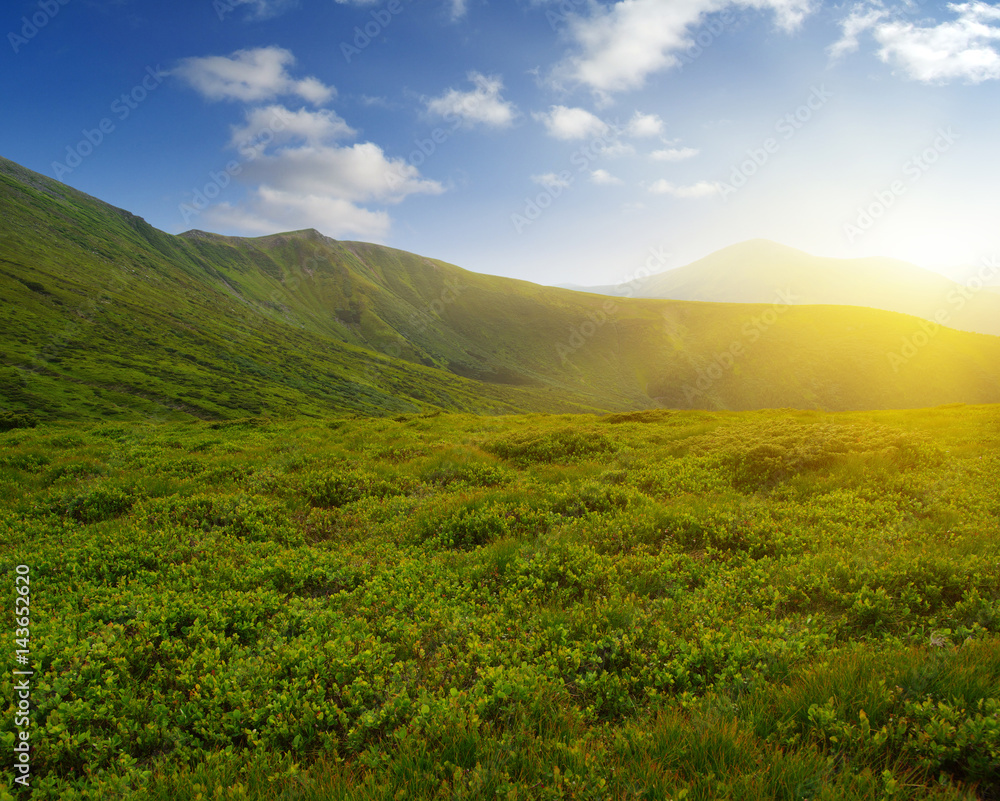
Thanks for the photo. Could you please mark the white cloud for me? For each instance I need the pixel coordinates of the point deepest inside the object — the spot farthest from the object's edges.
(566, 123)
(642, 125)
(299, 176)
(268, 211)
(618, 149)
(961, 49)
(604, 178)
(276, 125)
(674, 154)
(861, 19)
(251, 76)
(551, 181)
(617, 47)
(698, 190)
(458, 9)
(358, 173)
(483, 105)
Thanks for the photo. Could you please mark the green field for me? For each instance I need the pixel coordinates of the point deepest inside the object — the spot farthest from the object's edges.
(657, 604)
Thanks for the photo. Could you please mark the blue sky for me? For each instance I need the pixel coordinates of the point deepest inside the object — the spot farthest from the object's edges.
(571, 141)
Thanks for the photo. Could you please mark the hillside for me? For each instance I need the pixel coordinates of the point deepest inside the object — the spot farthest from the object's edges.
(758, 271)
(104, 316)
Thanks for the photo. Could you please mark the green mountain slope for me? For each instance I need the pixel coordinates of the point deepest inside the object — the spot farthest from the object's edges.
(759, 271)
(103, 315)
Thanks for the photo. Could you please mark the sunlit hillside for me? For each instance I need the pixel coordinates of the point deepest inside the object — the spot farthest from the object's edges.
(765, 272)
(106, 317)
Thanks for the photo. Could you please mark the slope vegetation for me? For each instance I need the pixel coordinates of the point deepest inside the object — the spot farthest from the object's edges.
(105, 316)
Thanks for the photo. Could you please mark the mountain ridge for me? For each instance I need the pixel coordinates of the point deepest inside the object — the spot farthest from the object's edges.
(104, 316)
(754, 270)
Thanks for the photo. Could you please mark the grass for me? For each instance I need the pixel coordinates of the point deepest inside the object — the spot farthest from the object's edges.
(657, 605)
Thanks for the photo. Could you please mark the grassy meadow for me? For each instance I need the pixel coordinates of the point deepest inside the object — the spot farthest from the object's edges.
(648, 605)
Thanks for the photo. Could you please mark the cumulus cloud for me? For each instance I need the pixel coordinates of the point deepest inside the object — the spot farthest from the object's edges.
(551, 181)
(643, 125)
(616, 47)
(299, 175)
(699, 190)
(277, 125)
(480, 106)
(269, 210)
(860, 19)
(251, 76)
(562, 122)
(674, 153)
(960, 49)
(604, 178)
(309, 183)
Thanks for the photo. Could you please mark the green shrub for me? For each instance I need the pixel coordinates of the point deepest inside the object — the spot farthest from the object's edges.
(472, 474)
(248, 517)
(329, 489)
(591, 496)
(11, 420)
(566, 445)
(102, 502)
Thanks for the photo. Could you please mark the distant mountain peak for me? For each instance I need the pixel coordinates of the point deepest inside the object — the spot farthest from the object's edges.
(759, 248)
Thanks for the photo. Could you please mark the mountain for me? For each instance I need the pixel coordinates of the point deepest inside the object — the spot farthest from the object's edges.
(758, 270)
(103, 316)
